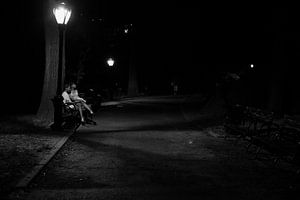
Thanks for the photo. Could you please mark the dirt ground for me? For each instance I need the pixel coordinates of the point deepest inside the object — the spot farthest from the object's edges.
(22, 146)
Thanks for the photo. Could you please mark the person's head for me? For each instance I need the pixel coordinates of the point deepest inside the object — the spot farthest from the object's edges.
(73, 86)
(67, 88)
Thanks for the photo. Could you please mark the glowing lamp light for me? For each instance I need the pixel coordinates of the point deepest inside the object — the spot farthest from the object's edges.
(252, 66)
(62, 13)
(110, 62)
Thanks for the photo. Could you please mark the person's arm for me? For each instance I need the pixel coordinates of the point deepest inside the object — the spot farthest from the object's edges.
(77, 97)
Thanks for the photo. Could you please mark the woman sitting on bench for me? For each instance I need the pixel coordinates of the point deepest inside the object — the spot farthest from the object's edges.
(75, 98)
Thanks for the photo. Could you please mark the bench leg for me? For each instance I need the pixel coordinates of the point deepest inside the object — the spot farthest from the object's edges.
(248, 146)
(257, 152)
(276, 161)
(76, 127)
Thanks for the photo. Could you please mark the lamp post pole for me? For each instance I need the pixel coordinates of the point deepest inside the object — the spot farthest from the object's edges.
(110, 62)
(61, 30)
(58, 99)
(62, 14)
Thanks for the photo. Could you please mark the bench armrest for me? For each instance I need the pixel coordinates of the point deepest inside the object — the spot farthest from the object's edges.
(69, 103)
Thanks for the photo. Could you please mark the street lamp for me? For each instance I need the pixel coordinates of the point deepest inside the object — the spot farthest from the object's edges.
(62, 15)
(110, 62)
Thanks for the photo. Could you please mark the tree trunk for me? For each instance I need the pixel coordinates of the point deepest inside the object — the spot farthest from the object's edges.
(276, 97)
(132, 79)
(46, 109)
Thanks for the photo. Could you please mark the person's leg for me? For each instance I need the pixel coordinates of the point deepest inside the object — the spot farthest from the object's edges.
(87, 107)
(80, 112)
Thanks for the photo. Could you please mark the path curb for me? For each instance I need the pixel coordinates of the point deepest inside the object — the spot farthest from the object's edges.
(25, 181)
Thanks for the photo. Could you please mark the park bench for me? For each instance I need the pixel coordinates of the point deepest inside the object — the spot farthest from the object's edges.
(282, 144)
(280, 137)
(244, 122)
(70, 115)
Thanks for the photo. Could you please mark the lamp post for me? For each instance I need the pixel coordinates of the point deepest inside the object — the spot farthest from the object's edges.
(62, 15)
(110, 62)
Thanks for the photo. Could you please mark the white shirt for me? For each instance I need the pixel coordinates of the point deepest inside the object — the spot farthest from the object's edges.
(66, 97)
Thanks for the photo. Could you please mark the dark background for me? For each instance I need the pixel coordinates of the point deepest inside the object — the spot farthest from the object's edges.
(190, 43)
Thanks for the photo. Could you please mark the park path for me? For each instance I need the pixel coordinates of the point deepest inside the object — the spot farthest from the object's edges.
(147, 149)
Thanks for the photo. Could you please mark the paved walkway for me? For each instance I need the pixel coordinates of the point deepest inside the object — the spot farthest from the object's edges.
(147, 149)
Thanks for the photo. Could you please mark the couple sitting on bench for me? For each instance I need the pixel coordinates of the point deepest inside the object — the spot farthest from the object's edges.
(72, 99)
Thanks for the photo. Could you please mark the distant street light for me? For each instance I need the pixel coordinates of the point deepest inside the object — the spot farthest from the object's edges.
(62, 15)
(252, 65)
(110, 62)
